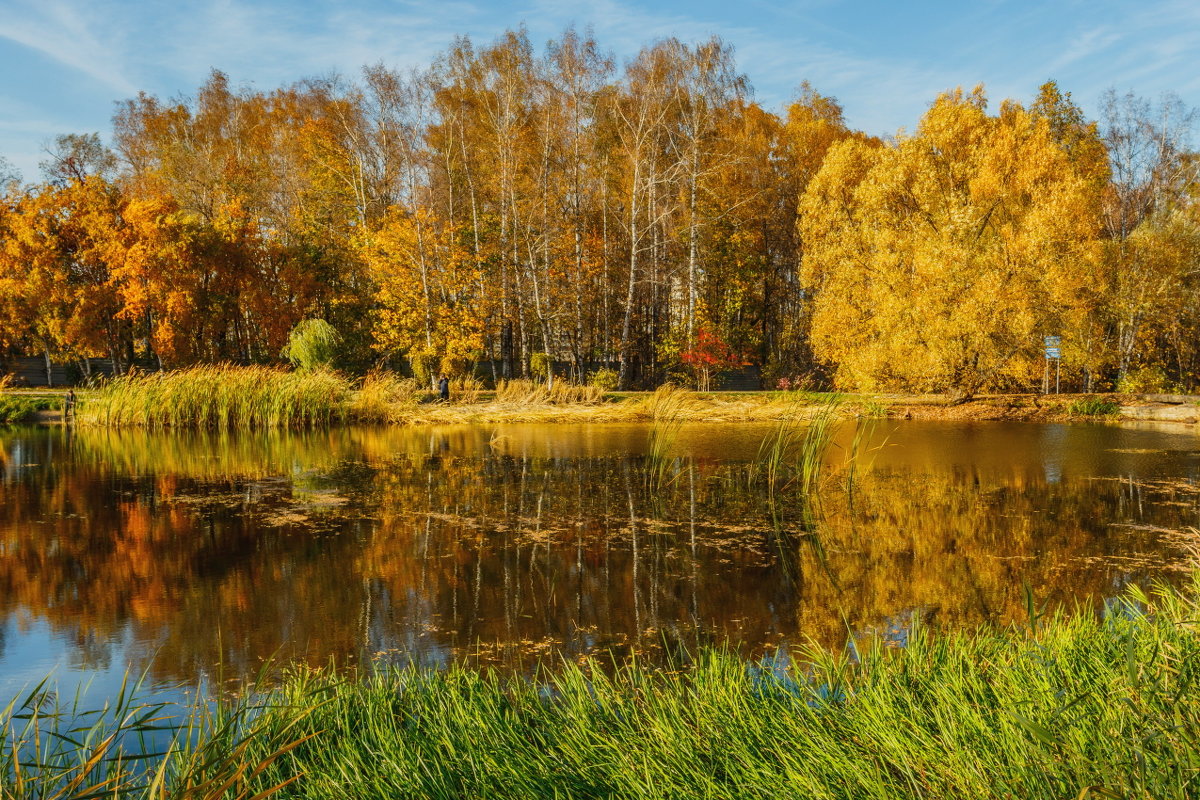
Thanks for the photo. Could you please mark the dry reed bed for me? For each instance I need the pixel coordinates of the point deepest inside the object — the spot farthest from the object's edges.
(225, 397)
(219, 396)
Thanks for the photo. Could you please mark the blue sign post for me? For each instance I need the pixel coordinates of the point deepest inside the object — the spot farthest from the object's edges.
(1053, 345)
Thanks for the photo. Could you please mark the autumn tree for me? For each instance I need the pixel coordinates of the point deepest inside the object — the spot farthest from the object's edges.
(707, 356)
(639, 119)
(55, 272)
(509, 200)
(426, 295)
(1147, 224)
(939, 262)
(10, 177)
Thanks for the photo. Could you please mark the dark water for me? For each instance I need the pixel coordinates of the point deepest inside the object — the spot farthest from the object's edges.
(200, 557)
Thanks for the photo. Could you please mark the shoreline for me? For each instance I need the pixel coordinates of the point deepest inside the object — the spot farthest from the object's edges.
(744, 407)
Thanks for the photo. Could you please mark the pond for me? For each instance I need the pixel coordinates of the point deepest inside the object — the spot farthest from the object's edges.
(197, 558)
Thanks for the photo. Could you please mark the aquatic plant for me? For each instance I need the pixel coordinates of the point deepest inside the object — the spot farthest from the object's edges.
(383, 396)
(57, 748)
(667, 408)
(795, 449)
(857, 451)
(526, 392)
(668, 402)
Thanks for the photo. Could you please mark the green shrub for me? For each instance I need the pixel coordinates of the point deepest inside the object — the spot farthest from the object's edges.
(311, 345)
(1145, 380)
(540, 365)
(423, 365)
(1093, 407)
(604, 379)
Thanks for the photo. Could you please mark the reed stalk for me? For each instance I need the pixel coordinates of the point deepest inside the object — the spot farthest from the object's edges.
(667, 408)
(526, 392)
(57, 748)
(384, 396)
(794, 452)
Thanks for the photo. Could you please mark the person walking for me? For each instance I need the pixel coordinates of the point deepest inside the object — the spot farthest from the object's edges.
(69, 406)
(444, 389)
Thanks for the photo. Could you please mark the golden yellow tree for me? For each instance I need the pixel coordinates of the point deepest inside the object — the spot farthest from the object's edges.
(427, 289)
(940, 262)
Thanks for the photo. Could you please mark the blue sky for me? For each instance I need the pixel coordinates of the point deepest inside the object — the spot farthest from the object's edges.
(65, 62)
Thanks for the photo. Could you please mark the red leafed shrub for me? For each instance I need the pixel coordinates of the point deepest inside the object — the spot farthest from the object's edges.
(708, 356)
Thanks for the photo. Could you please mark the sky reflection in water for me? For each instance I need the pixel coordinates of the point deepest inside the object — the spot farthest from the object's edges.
(199, 556)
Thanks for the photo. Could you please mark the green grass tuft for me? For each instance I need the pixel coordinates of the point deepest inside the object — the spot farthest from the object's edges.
(1094, 407)
(14, 409)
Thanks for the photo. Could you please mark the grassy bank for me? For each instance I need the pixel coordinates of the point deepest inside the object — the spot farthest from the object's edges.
(1069, 707)
(15, 408)
(221, 396)
(237, 398)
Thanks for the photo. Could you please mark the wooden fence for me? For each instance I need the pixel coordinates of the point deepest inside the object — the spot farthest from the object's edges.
(32, 371)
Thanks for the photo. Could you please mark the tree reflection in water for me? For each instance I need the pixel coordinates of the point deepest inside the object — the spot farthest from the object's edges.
(524, 544)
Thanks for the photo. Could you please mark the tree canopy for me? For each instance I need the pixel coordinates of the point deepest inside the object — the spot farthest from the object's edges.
(507, 201)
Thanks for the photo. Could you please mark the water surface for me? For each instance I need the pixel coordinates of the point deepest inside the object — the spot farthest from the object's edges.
(198, 557)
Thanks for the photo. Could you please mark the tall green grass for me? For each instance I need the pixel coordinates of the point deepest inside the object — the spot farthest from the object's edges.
(221, 397)
(1094, 407)
(1070, 707)
(794, 451)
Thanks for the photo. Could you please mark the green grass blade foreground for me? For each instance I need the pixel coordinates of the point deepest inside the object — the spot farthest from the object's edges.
(1112, 704)
(1078, 707)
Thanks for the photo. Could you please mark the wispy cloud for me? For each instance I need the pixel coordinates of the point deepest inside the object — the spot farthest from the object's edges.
(65, 33)
(280, 43)
(776, 61)
(1086, 45)
(885, 62)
